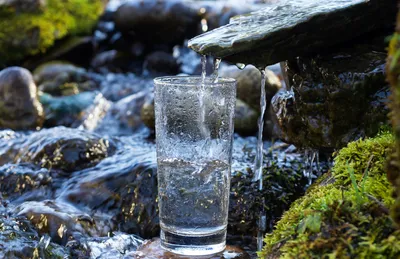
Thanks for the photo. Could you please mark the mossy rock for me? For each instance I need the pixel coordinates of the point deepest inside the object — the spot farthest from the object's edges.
(393, 75)
(24, 34)
(346, 213)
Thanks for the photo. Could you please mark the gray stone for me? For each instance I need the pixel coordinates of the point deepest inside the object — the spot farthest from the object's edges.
(157, 21)
(248, 83)
(61, 78)
(245, 119)
(64, 149)
(66, 110)
(20, 108)
(292, 28)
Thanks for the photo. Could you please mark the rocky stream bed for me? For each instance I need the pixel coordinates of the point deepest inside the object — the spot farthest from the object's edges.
(78, 168)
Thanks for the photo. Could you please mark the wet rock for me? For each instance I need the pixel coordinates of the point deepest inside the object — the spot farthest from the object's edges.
(24, 178)
(165, 22)
(66, 110)
(128, 110)
(114, 87)
(147, 113)
(123, 186)
(245, 119)
(19, 105)
(336, 98)
(249, 84)
(161, 63)
(113, 61)
(18, 239)
(61, 78)
(152, 250)
(64, 148)
(287, 29)
(7, 139)
(60, 221)
(284, 180)
(27, 34)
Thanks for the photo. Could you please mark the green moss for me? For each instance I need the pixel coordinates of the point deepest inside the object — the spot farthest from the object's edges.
(340, 217)
(24, 34)
(393, 76)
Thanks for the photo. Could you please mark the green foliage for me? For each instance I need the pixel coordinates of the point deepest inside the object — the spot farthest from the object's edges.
(346, 213)
(393, 76)
(24, 34)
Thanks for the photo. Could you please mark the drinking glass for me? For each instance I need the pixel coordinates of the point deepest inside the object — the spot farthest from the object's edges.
(194, 133)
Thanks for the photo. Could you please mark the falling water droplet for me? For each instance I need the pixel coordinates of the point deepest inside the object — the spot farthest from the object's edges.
(241, 66)
(215, 75)
(204, 25)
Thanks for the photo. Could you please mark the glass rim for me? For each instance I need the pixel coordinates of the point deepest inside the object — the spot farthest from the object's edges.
(185, 81)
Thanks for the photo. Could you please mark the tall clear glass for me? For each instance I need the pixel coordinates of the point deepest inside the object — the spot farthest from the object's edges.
(194, 133)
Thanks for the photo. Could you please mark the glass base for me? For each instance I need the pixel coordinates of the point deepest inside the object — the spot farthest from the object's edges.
(193, 245)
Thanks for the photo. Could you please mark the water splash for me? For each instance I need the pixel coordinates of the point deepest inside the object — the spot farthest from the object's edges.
(215, 75)
(258, 167)
(93, 116)
(311, 157)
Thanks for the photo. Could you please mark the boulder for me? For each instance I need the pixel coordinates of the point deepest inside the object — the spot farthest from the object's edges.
(124, 187)
(66, 110)
(19, 179)
(249, 84)
(335, 98)
(20, 108)
(161, 63)
(154, 22)
(61, 78)
(147, 113)
(19, 239)
(286, 29)
(59, 220)
(245, 119)
(64, 148)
